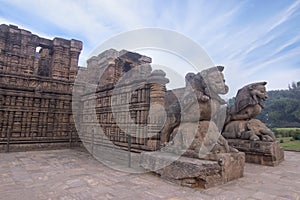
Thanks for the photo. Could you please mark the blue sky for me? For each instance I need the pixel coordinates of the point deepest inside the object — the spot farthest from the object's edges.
(255, 40)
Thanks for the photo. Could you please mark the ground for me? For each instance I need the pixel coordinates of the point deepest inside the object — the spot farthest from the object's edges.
(289, 144)
(74, 174)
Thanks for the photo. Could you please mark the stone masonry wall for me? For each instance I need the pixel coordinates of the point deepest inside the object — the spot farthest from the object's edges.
(126, 87)
(36, 78)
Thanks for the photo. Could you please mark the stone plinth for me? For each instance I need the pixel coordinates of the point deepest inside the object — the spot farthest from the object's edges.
(216, 170)
(259, 152)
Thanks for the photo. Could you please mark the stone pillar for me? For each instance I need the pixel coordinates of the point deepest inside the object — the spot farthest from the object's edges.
(56, 58)
(75, 50)
(61, 59)
(157, 81)
(13, 44)
(28, 51)
(30, 60)
(157, 114)
(3, 40)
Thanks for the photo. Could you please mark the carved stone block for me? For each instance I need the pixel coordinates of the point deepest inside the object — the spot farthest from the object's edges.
(259, 152)
(215, 170)
(35, 101)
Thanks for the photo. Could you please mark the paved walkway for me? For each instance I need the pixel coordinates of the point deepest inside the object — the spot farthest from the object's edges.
(73, 174)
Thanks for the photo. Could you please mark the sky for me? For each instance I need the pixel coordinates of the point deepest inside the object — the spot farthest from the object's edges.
(255, 40)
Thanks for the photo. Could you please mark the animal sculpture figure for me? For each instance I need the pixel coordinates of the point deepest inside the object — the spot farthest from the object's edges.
(197, 104)
(248, 102)
(240, 122)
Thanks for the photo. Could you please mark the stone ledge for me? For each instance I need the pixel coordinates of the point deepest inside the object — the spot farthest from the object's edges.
(259, 152)
(37, 146)
(191, 172)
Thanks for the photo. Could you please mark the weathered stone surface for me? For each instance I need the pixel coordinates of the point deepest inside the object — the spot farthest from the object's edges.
(197, 139)
(252, 129)
(248, 134)
(248, 101)
(197, 107)
(125, 96)
(217, 169)
(130, 103)
(36, 77)
(259, 152)
(73, 174)
(240, 122)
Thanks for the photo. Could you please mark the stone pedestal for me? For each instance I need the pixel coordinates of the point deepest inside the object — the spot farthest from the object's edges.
(217, 169)
(259, 152)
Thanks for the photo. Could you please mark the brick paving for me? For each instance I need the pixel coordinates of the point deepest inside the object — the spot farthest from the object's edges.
(74, 174)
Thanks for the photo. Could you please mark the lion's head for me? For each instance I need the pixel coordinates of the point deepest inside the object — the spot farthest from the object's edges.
(251, 94)
(214, 79)
(210, 81)
(258, 91)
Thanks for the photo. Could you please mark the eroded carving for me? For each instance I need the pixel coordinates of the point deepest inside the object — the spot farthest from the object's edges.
(248, 134)
(248, 102)
(198, 105)
(35, 84)
(252, 129)
(240, 120)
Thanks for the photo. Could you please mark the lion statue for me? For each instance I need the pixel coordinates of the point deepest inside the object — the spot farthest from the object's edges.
(248, 102)
(240, 122)
(198, 101)
(202, 94)
(252, 129)
(208, 84)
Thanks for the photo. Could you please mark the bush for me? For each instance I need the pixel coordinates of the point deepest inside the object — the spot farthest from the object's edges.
(287, 132)
(290, 133)
(296, 136)
(281, 141)
(278, 135)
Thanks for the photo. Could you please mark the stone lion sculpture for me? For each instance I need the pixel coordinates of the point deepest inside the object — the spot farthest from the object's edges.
(208, 84)
(198, 103)
(252, 129)
(240, 122)
(248, 102)
(202, 94)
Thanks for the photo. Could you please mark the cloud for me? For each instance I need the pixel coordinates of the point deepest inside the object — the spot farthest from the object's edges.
(266, 36)
(92, 21)
(285, 15)
(25, 27)
(239, 34)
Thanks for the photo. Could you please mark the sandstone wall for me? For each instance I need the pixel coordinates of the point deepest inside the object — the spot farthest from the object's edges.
(126, 86)
(36, 78)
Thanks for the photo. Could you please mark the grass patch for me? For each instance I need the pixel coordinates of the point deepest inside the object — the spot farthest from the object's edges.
(287, 132)
(287, 129)
(287, 144)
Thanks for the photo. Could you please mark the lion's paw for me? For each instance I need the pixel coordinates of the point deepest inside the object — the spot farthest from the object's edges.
(267, 138)
(254, 138)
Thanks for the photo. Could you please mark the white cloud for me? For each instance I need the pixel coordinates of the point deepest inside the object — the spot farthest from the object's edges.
(248, 48)
(291, 41)
(260, 34)
(285, 15)
(26, 27)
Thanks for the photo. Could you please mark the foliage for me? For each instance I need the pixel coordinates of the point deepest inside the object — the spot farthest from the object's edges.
(287, 132)
(296, 136)
(287, 144)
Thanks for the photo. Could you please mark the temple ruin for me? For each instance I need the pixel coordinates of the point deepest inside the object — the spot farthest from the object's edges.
(36, 77)
(120, 102)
